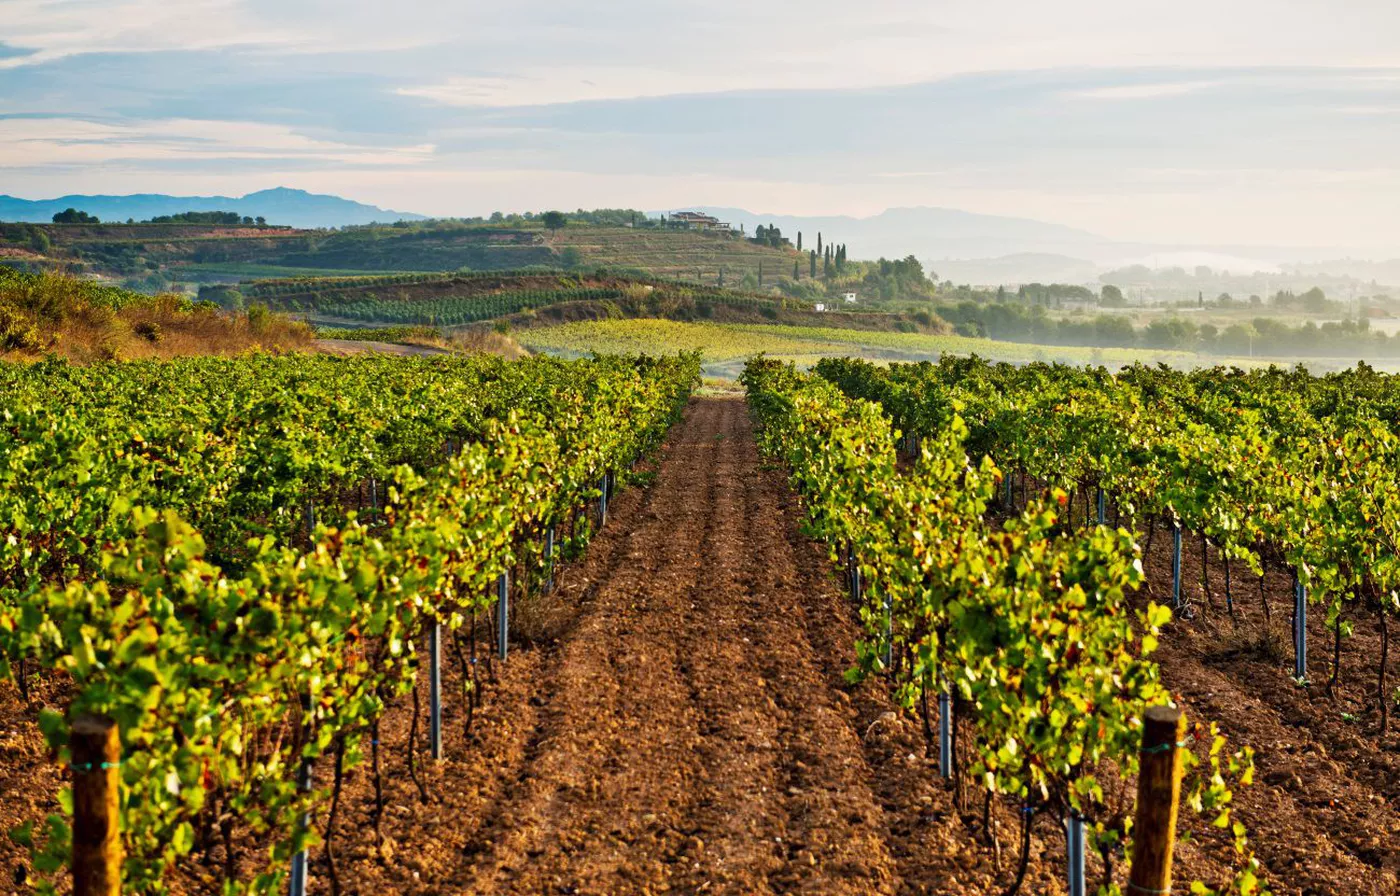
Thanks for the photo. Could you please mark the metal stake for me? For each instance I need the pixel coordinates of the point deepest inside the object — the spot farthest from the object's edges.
(297, 882)
(889, 632)
(1300, 630)
(945, 735)
(503, 611)
(435, 689)
(549, 558)
(1074, 846)
(1176, 565)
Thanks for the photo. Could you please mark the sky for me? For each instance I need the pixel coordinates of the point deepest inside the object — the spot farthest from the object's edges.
(1242, 122)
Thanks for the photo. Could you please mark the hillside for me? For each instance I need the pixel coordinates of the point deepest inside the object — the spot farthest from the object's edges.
(683, 255)
(534, 299)
(151, 256)
(43, 314)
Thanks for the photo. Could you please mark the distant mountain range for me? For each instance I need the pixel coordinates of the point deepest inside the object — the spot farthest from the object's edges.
(967, 247)
(292, 208)
(934, 233)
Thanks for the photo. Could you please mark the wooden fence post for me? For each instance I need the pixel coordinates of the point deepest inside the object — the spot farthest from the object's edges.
(97, 846)
(1159, 796)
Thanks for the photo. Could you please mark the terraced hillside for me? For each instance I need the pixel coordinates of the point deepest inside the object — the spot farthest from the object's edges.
(203, 253)
(683, 255)
(533, 300)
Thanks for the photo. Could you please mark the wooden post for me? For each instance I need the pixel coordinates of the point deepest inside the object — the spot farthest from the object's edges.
(97, 845)
(1159, 795)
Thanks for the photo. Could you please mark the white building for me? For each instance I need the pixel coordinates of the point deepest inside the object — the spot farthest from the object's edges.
(850, 297)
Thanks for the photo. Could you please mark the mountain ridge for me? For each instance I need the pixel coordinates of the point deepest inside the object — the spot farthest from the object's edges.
(279, 205)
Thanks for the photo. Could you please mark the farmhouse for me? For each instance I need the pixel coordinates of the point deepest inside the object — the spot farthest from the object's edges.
(696, 221)
(850, 297)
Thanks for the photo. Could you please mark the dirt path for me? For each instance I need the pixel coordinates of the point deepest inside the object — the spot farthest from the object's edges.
(689, 737)
(347, 347)
(688, 728)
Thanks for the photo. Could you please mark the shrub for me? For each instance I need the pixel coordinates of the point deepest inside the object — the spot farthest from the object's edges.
(258, 315)
(17, 330)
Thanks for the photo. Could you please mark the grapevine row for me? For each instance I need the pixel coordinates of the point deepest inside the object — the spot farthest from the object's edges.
(231, 663)
(1025, 632)
(1267, 466)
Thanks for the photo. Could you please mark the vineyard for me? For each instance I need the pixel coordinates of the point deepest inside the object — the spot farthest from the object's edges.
(1279, 475)
(342, 618)
(727, 345)
(464, 298)
(1023, 631)
(451, 312)
(239, 562)
(1263, 467)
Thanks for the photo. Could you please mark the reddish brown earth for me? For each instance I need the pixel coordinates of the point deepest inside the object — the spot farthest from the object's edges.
(675, 719)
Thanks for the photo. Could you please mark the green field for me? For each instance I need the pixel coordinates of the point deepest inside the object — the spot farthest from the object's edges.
(725, 346)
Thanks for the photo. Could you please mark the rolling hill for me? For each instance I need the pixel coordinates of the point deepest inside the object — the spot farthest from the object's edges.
(205, 253)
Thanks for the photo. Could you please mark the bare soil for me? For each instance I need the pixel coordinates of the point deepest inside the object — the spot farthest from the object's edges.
(347, 347)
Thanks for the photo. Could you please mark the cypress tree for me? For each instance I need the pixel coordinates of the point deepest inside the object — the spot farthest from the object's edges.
(819, 242)
(799, 241)
(796, 270)
(813, 271)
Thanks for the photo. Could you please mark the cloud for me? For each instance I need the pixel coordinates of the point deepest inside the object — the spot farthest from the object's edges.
(54, 29)
(1143, 91)
(29, 142)
(1087, 111)
(571, 85)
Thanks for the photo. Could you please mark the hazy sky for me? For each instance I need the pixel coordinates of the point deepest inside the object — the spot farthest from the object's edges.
(1233, 121)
